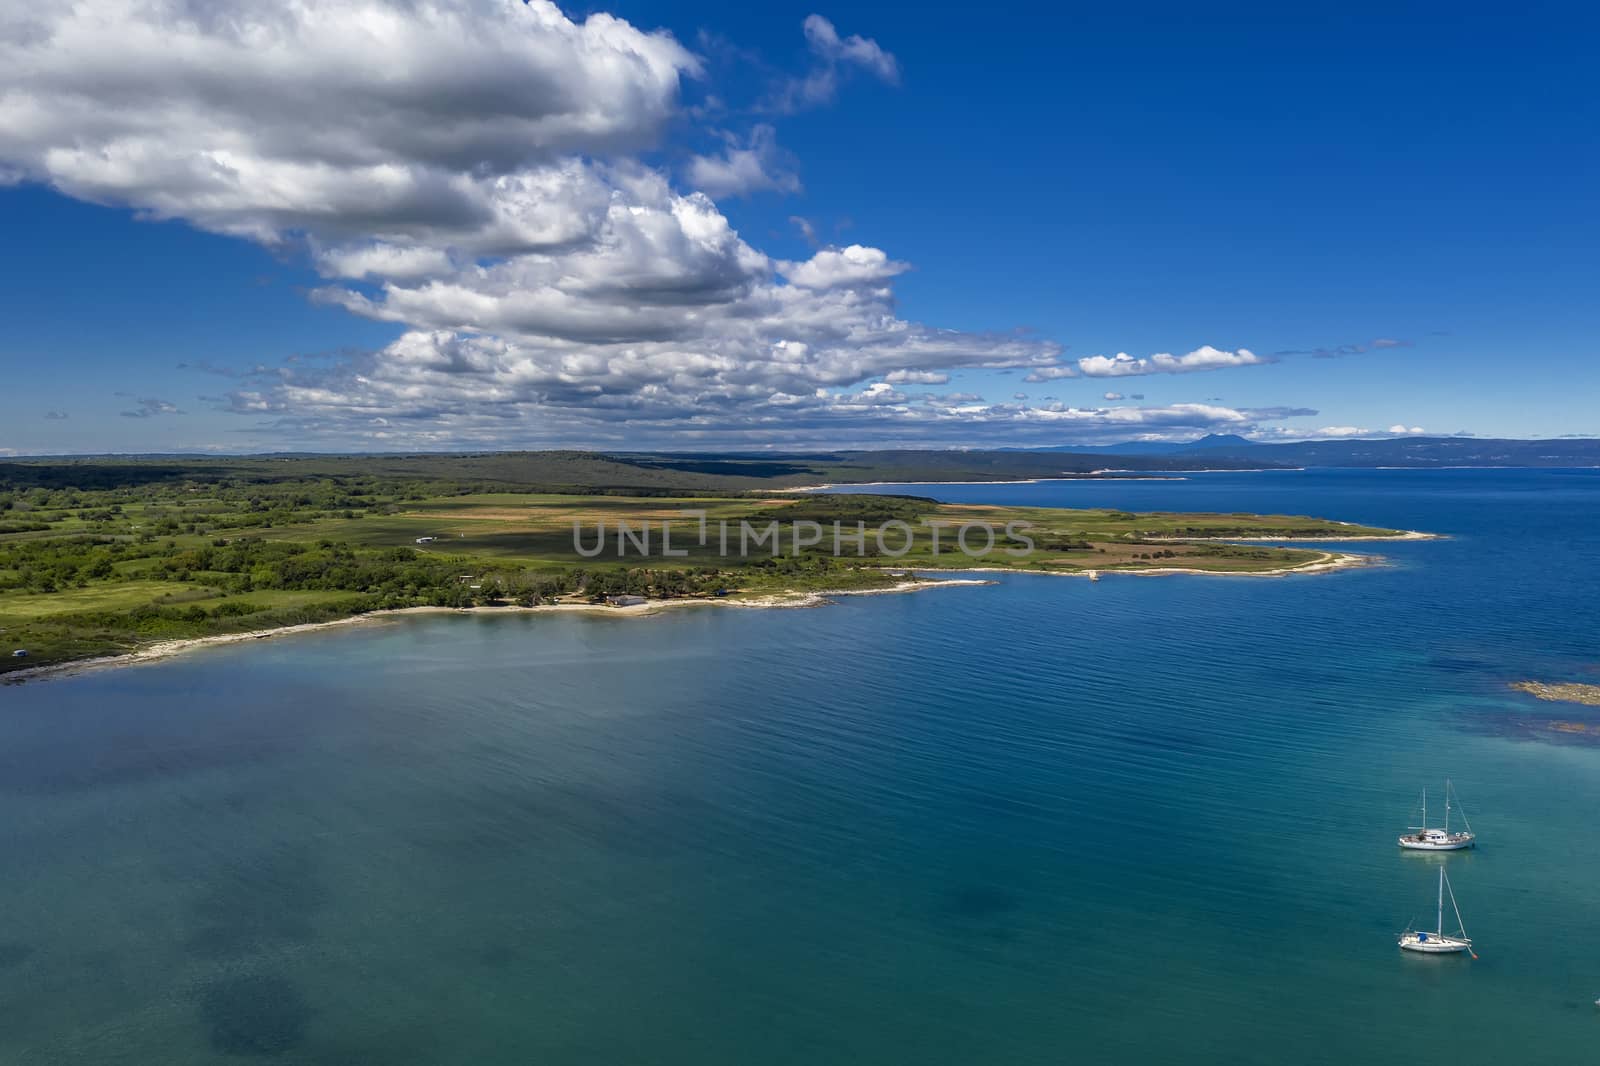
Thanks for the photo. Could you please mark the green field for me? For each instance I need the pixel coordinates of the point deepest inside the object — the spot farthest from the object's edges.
(136, 554)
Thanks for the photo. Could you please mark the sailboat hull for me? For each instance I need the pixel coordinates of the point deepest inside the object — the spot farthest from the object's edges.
(1456, 842)
(1434, 944)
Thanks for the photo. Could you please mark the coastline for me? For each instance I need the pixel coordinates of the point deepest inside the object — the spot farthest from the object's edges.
(1409, 534)
(166, 649)
(1092, 476)
(793, 598)
(1328, 562)
(1105, 474)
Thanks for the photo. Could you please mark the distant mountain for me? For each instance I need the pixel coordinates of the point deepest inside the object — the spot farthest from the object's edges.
(1222, 440)
(1414, 452)
(1418, 452)
(1212, 441)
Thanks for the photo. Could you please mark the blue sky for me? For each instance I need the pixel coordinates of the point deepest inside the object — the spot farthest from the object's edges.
(1390, 213)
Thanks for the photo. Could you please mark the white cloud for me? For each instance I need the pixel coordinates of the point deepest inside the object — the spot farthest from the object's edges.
(873, 395)
(758, 165)
(1051, 373)
(1400, 427)
(836, 267)
(441, 123)
(861, 51)
(379, 260)
(806, 228)
(1339, 431)
(1202, 358)
(833, 57)
(360, 403)
(1124, 365)
(966, 401)
(1114, 396)
(467, 171)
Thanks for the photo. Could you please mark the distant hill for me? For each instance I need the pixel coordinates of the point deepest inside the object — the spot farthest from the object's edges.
(1210, 442)
(614, 473)
(1420, 452)
(658, 474)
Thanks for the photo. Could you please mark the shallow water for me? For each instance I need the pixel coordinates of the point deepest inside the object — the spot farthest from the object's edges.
(1141, 820)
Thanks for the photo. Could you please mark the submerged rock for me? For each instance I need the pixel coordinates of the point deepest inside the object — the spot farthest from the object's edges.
(1570, 692)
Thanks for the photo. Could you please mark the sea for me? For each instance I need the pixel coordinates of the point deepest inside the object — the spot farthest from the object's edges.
(1142, 820)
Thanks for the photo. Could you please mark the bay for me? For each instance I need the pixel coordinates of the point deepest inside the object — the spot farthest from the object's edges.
(1140, 820)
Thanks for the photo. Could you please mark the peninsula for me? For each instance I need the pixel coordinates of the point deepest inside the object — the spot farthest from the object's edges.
(105, 558)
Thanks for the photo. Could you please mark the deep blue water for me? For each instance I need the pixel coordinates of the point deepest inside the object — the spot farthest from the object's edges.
(1146, 820)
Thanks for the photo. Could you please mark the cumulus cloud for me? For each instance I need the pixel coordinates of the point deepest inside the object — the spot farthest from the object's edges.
(877, 414)
(438, 123)
(840, 267)
(1124, 365)
(55, 416)
(916, 377)
(1340, 431)
(468, 170)
(1051, 373)
(967, 400)
(757, 165)
(379, 260)
(1114, 396)
(876, 394)
(1400, 427)
(1203, 358)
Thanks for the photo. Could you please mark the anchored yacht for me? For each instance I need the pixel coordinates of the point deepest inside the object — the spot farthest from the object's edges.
(1423, 838)
(1437, 943)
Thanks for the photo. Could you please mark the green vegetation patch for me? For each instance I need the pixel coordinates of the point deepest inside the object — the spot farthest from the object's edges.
(104, 556)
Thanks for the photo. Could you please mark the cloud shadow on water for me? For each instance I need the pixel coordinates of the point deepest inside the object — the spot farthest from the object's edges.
(265, 899)
(255, 1015)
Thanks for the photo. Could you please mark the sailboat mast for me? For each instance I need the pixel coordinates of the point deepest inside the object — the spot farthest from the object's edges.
(1447, 805)
(1441, 902)
(1424, 808)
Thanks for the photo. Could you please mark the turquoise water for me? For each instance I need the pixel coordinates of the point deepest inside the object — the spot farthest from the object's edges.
(1048, 821)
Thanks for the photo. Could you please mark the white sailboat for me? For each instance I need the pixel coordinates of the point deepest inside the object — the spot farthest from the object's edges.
(1425, 839)
(1437, 943)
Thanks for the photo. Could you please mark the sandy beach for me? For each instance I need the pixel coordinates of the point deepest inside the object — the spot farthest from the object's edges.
(167, 648)
(1327, 562)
